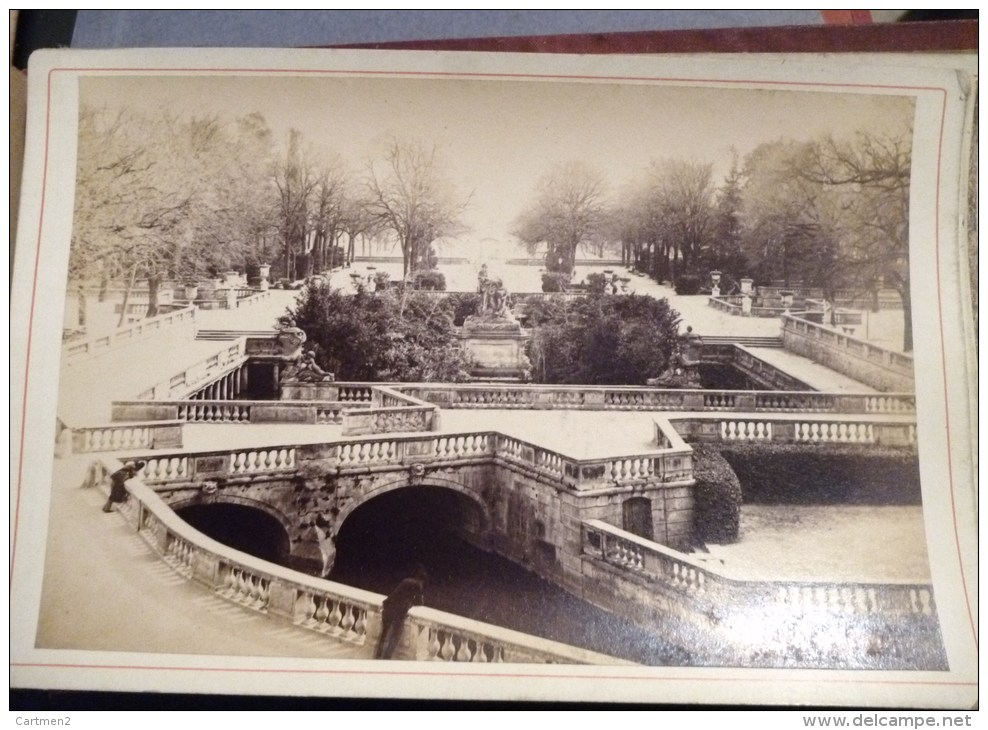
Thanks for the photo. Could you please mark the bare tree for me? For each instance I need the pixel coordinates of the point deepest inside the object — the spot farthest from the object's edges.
(296, 181)
(684, 193)
(569, 211)
(408, 195)
(789, 221)
(869, 178)
(135, 199)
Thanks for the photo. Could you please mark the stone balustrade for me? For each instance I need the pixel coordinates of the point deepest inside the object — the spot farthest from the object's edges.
(331, 609)
(355, 392)
(236, 411)
(391, 411)
(632, 398)
(732, 304)
(442, 637)
(198, 375)
(883, 369)
(823, 430)
(403, 419)
(336, 611)
(659, 466)
(147, 435)
(205, 466)
(84, 349)
(686, 575)
(250, 297)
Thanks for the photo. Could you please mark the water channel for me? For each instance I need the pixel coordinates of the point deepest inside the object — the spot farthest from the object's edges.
(383, 541)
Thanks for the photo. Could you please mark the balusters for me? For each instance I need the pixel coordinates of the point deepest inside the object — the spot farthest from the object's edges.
(249, 590)
(331, 616)
(164, 469)
(745, 431)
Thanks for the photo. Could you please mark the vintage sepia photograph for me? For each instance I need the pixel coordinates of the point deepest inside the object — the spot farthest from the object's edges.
(379, 363)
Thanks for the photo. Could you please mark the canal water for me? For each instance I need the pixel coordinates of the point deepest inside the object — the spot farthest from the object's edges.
(379, 548)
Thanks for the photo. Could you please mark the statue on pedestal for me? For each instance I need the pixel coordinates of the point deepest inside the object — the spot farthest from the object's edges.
(306, 370)
(289, 340)
(493, 312)
(683, 370)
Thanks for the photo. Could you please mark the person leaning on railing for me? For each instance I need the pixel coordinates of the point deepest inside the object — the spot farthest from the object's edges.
(410, 592)
(118, 481)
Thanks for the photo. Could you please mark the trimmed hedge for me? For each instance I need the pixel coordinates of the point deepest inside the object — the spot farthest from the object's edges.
(798, 474)
(716, 498)
(688, 284)
(428, 280)
(555, 281)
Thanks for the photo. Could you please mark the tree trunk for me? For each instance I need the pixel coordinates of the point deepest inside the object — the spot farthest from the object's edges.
(81, 308)
(104, 286)
(153, 285)
(907, 318)
(126, 299)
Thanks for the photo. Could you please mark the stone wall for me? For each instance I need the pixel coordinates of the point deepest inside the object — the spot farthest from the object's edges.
(877, 367)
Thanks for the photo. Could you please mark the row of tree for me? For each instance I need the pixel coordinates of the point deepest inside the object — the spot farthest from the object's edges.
(170, 197)
(829, 213)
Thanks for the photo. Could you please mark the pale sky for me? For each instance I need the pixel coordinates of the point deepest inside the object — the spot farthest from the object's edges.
(497, 137)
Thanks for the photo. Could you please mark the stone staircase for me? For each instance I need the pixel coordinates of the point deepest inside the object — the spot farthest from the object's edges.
(747, 341)
(227, 335)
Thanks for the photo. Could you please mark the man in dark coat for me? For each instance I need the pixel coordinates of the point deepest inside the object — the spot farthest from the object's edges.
(410, 592)
(118, 480)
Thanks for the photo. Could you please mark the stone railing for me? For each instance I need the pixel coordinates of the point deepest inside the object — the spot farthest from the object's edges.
(355, 392)
(197, 375)
(201, 466)
(443, 637)
(403, 419)
(235, 411)
(876, 366)
(686, 575)
(664, 466)
(886, 298)
(250, 297)
(129, 437)
(630, 398)
(732, 305)
(391, 411)
(766, 373)
(334, 610)
(797, 431)
(338, 612)
(94, 346)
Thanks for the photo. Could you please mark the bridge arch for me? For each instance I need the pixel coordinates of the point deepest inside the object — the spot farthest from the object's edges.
(405, 482)
(395, 525)
(273, 525)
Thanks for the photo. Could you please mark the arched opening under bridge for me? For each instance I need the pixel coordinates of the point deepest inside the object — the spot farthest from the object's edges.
(383, 539)
(241, 527)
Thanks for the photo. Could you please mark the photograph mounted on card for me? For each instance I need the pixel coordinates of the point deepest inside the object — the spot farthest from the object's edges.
(600, 370)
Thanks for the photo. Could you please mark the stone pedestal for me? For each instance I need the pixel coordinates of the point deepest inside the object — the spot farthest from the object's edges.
(290, 389)
(497, 346)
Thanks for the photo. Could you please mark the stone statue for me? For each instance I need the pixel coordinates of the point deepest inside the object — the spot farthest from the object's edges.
(493, 298)
(683, 370)
(290, 340)
(306, 370)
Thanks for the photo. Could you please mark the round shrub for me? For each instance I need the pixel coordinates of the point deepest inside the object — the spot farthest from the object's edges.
(688, 284)
(554, 282)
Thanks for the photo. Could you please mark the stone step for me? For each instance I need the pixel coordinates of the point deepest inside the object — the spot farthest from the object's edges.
(747, 341)
(226, 335)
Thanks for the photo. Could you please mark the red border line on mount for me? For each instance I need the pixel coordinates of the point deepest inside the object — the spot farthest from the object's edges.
(946, 399)
(440, 75)
(519, 675)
